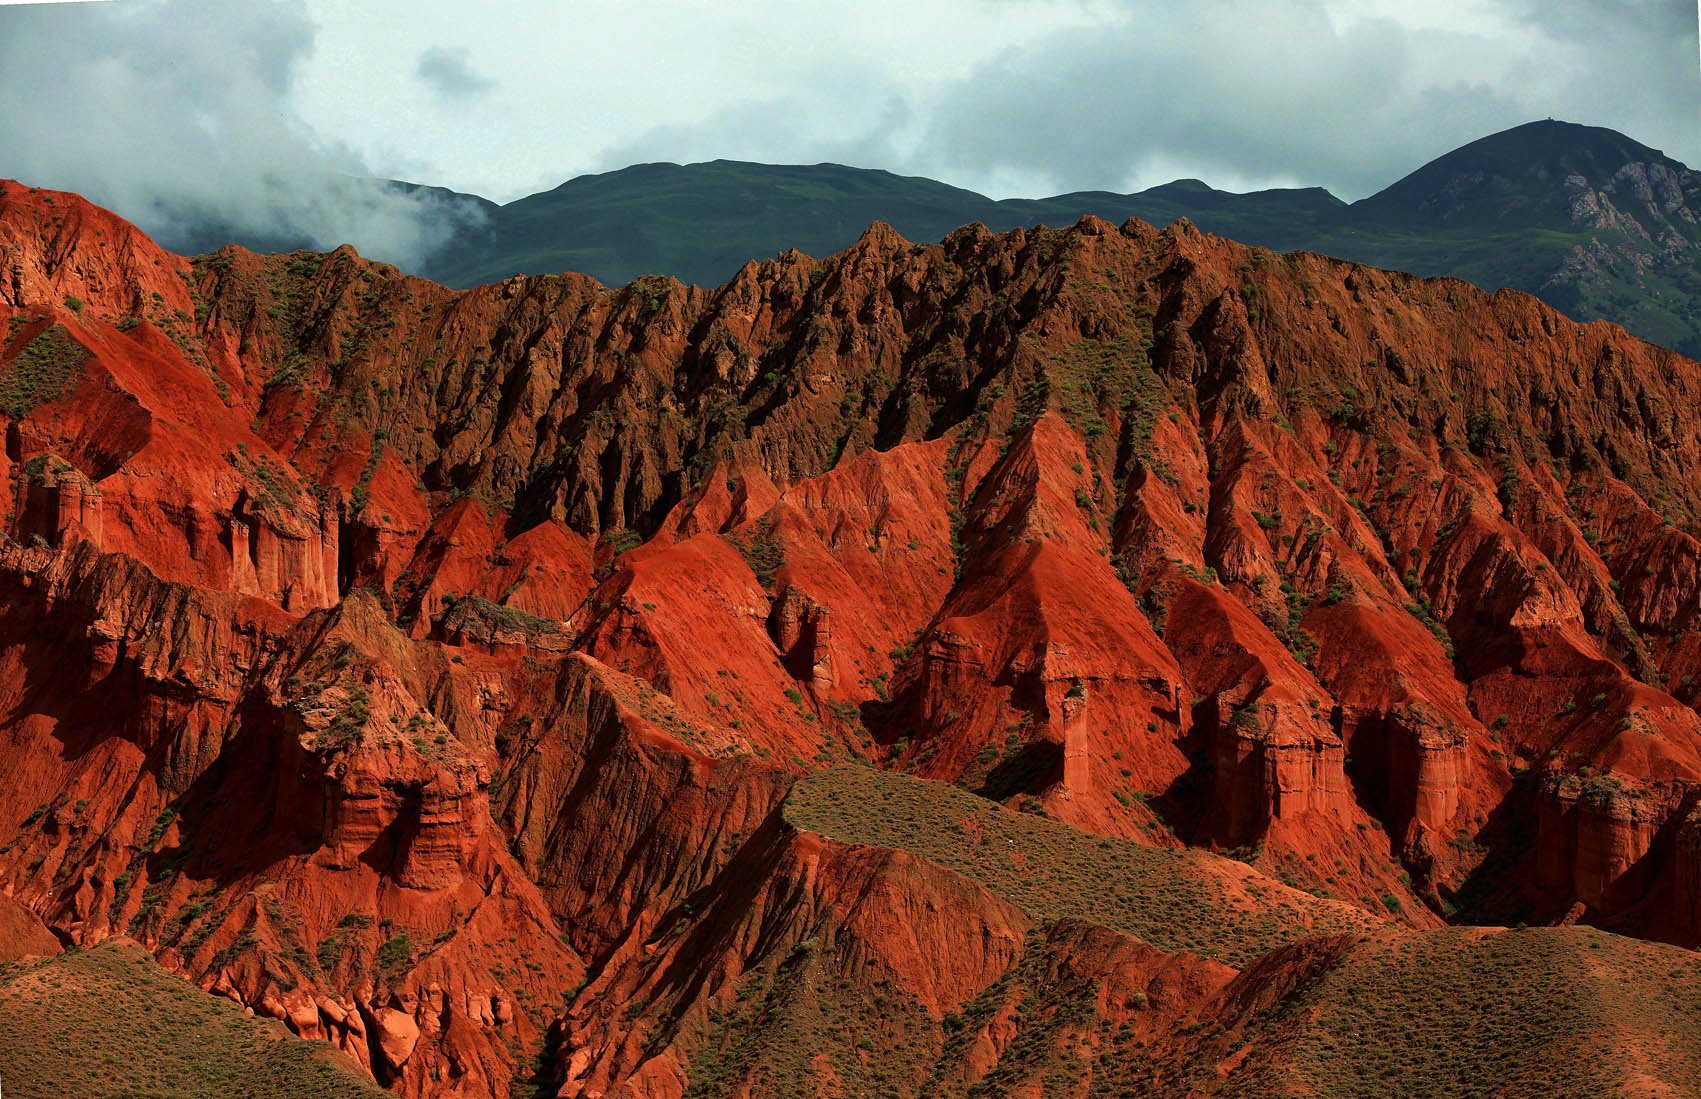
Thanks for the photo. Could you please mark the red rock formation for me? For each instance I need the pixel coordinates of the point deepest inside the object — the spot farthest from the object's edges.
(55, 503)
(427, 669)
(21, 934)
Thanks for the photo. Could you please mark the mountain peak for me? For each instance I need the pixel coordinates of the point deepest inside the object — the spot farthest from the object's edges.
(1535, 168)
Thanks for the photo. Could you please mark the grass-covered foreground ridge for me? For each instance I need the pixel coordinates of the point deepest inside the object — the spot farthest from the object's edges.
(1176, 900)
(1563, 1013)
(109, 1022)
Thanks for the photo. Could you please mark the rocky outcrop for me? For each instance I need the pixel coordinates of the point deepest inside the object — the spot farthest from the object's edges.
(1605, 845)
(56, 503)
(296, 833)
(427, 670)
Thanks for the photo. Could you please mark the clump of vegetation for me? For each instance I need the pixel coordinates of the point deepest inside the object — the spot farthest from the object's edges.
(396, 951)
(355, 712)
(361, 493)
(1091, 378)
(477, 615)
(1423, 612)
(650, 292)
(762, 551)
(42, 372)
(330, 951)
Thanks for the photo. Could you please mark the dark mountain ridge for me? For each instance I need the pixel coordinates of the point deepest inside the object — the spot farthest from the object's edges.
(1532, 169)
(1591, 221)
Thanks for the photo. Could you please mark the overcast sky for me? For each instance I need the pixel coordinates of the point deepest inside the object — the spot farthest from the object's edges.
(258, 110)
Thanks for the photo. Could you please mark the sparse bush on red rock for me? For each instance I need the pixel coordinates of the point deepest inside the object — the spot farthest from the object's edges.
(504, 682)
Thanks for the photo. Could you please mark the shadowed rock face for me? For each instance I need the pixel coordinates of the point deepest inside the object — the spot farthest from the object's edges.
(432, 670)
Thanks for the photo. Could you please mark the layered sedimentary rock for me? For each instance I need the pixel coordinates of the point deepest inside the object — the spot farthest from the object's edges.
(433, 671)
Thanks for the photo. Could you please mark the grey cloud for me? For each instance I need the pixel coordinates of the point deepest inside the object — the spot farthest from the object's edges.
(1628, 64)
(192, 134)
(1651, 19)
(866, 122)
(449, 73)
(1283, 97)
(1273, 93)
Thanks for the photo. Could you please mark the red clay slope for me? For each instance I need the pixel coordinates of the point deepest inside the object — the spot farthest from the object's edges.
(428, 669)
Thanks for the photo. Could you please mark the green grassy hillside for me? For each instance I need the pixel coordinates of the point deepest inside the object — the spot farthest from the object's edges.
(1177, 900)
(109, 1022)
(1331, 1004)
(1564, 1013)
(700, 222)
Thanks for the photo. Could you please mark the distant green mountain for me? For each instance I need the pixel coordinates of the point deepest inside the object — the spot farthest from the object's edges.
(1596, 224)
(1529, 174)
(702, 222)
(1593, 222)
